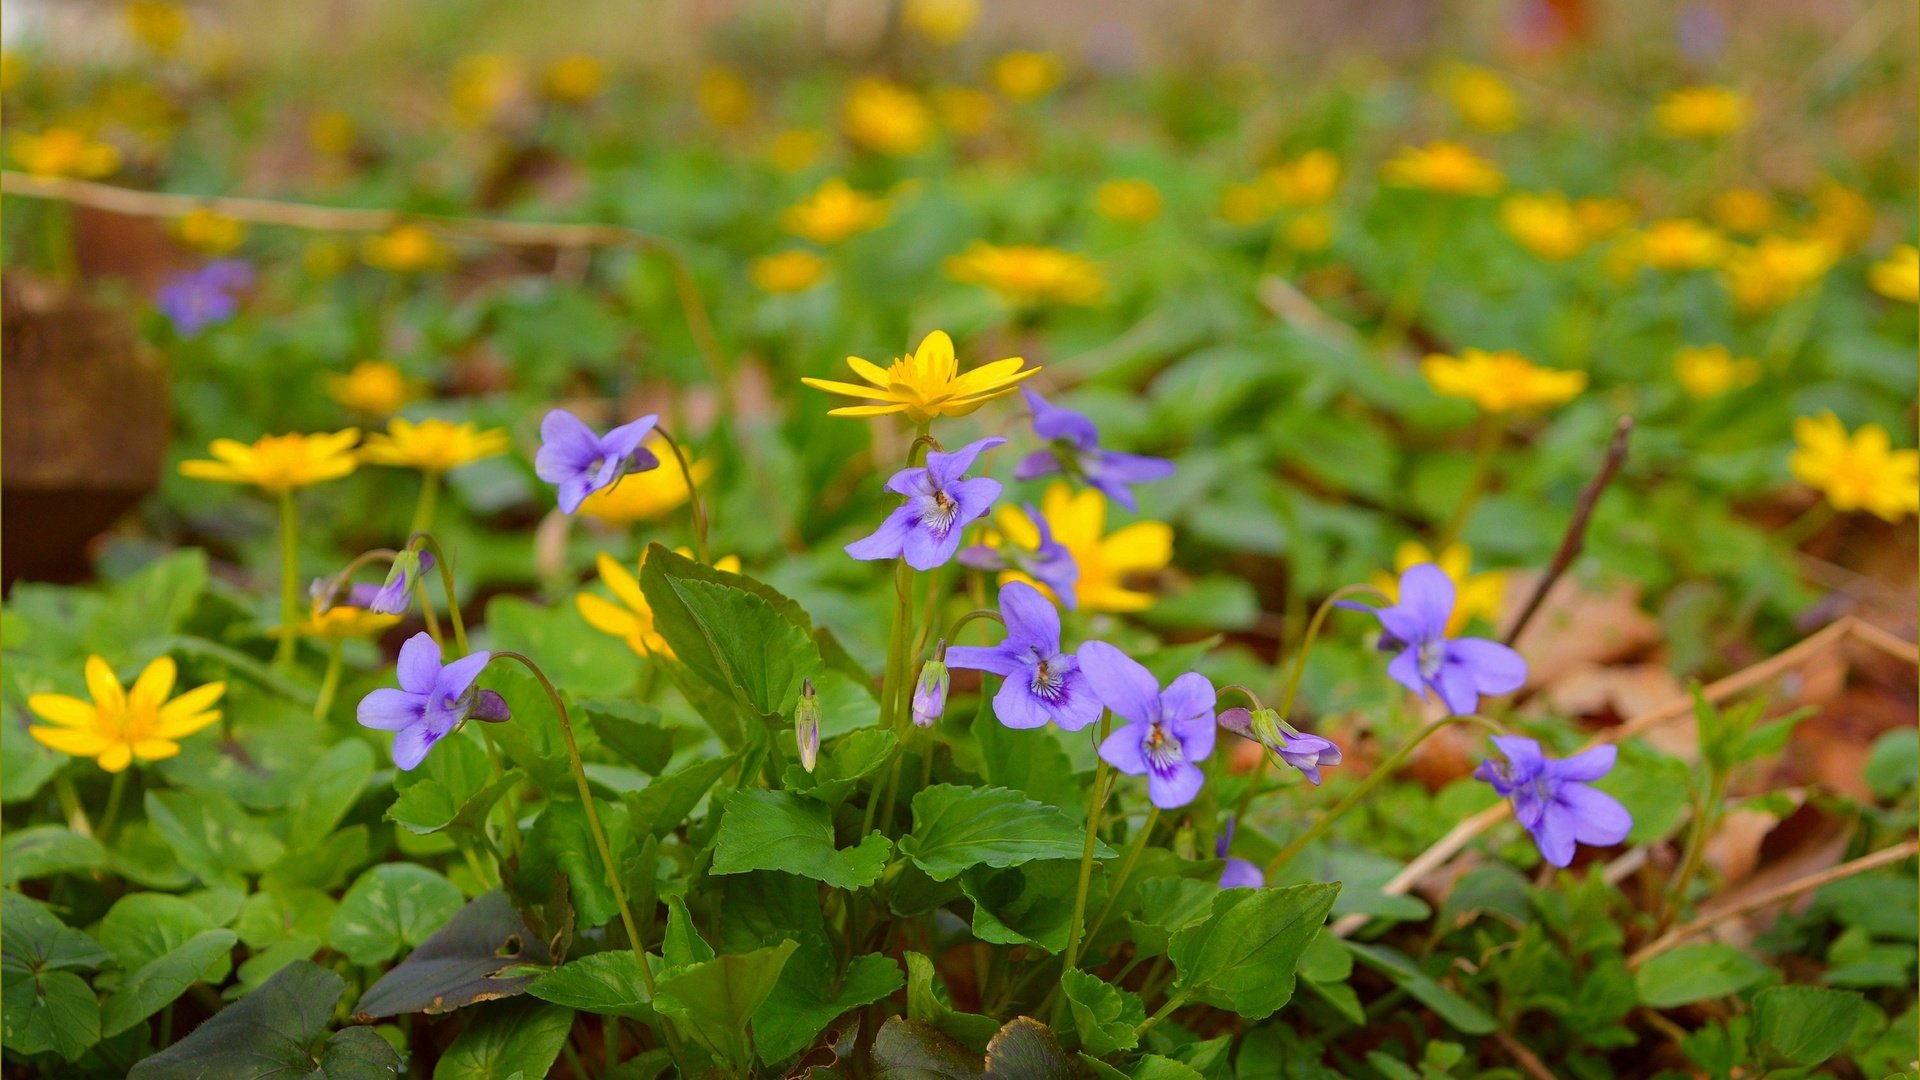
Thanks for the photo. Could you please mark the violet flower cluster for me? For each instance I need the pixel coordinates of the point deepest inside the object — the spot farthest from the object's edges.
(196, 299)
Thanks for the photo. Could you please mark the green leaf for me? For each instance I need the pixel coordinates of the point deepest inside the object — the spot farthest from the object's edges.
(735, 639)
(1156, 1067)
(1030, 762)
(573, 654)
(534, 740)
(633, 731)
(1695, 973)
(683, 944)
(561, 842)
(34, 939)
(1894, 765)
(1026, 1050)
(514, 1039)
(1105, 1015)
(39, 851)
(215, 840)
(906, 1049)
(1243, 957)
(799, 1010)
(271, 1033)
(1168, 904)
(927, 1001)
(327, 792)
(142, 927)
(718, 997)
(607, 983)
(483, 953)
(955, 828)
(163, 979)
(844, 762)
(1462, 1014)
(1026, 905)
(1806, 1024)
(777, 830)
(390, 907)
(664, 804)
(48, 1011)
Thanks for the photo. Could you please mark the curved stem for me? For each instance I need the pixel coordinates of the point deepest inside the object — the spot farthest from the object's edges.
(1096, 802)
(1126, 870)
(289, 580)
(329, 683)
(340, 582)
(694, 504)
(429, 498)
(426, 540)
(953, 630)
(1484, 450)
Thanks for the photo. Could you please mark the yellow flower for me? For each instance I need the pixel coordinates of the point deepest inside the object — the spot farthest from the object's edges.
(796, 148)
(1701, 112)
(1025, 275)
(1841, 216)
(215, 234)
(787, 271)
(1857, 472)
(925, 383)
(1135, 202)
(632, 618)
(1026, 75)
(1710, 370)
(725, 98)
(432, 445)
(575, 79)
(277, 464)
(1774, 271)
(375, 387)
(1244, 204)
(1483, 98)
(1600, 217)
(885, 117)
(343, 621)
(331, 133)
(1311, 231)
(1079, 522)
(963, 109)
(483, 85)
(1308, 180)
(65, 152)
(158, 24)
(1897, 277)
(1446, 168)
(835, 212)
(1547, 225)
(1501, 382)
(1474, 594)
(1743, 210)
(649, 495)
(404, 249)
(119, 725)
(942, 22)
(1680, 244)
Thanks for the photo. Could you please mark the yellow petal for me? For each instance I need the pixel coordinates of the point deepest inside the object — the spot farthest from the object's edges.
(867, 410)
(155, 749)
(1144, 545)
(150, 690)
(70, 741)
(116, 757)
(934, 357)
(196, 700)
(212, 470)
(606, 617)
(849, 389)
(104, 687)
(869, 371)
(728, 563)
(63, 710)
(988, 376)
(181, 725)
(624, 584)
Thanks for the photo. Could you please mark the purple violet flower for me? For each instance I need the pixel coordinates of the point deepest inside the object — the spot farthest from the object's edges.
(432, 701)
(1298, 749)
(930, 693)
(197, 299)
(581, 463)
(395, 595)
(1167, 732)
(1239, 873)
(1458, 671)
(941, 502)
(1049, 562)
(1552, 799)
(1042, 683)
(1074, 448)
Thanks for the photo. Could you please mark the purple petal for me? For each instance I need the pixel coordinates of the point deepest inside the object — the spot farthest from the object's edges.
(1018, 707)
(1241, 874)
(1120, 682)
(1584, 767)
(1134, 468)
(1405, 670)
(456, 677)
(1238, 720)
(419, 664)
(1454, 681)
(1189, 699)
(1036, 464)
(574, 491)
(1121, 749)
(1554, 836)
(1053, 422)
(888, 540)
(387, 709)
(1524, 753)
(925, 551)
(1031, 618)
(1426, 593)
(975, 496)
(982, 557)
(1176, 788)
(1598, 818)
(995, 659)
(1077, 707)
(490, 707)
(910, 482)
(410, 746)
(567, 446)
(1496, 669)
(621, 442)
(947, 468)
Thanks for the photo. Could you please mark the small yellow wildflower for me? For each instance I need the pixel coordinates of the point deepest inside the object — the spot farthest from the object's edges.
(205, 231)
(432, 445)
(1308, 180)
(796, 148)
(1601, 217)
(65, 152)
(1026, 275)
(1745, 211)
(650, 495)
(1701, 112)
(160, 25)
(1545, 224)
(632, 618)
(1478, 595)
(1446, 168)
(1105, 560)
(925, 383)
(277, 464)
(343, 621)
(1027, 75)
(886, 118)
(404, 249)
(724, 97)
(1311, 231)
(1501, 382)
(332, 133)
(835, 212)
(119, 724)
(483, 85)
(1680, 244)
(574, 79)
(1134, 202)
(788, 271)
(1841, 216)
(1897, 277)
(964, 110)
(1857, 472)
(374, 387)
(1774, 271)
(942, 22)
(1483, 98)
(1710, 370)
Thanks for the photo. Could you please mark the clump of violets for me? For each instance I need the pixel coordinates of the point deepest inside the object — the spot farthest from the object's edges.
(1168, 732)
(580, 462)
(1297, 748)
(207, 296)
(1042, 683)
(433, 700)
(1074, 449)
(941, 502)
(1552, 799)
(1047, 562)
(1457, 670)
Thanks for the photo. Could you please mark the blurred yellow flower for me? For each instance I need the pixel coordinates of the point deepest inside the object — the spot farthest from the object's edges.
(885, 117)
(205, 231)
(1857, 472)
(725, 98)
(1025, 75)
(405, 249)
(1601, 217)
(1475, 595)
(1841, 216)
(1680, 244)
(277, 464)
(483, 85)
(343, 621)
(941, 22)
(65, 152)
(646, 496)
(160, 25)
(1774, 271)
(925, 383)
(1105, 560)
(1446, 168)
(796, 148)
(1897, 277)
(1135, 202)
(1025, 274)
(326, 256)
(12, 69)
(1743, 210)
(1311, 231)
(1483, 98)
(787, 271)
(1545, 224)
(1308, 180)
(1244, 204)
(432, 445)
(332, 133)
(1701, 112)
(574, 79)
(631, 619)
(374, 387)
(1710, 370)
(964, 110)
(120, 724)
(1501, 382)
(834, 212)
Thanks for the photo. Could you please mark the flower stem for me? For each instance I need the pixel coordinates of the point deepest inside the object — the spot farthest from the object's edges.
(289, 579)
(116, 795)
(1706, 814)
(1484, 449)
(694, 504)
(1413, 285)
(70, 806)
(953, 631)
(429, 498)
(426, 540)
(1173, 1002)
(1126, 870)
(329, 683)
(1096, 802)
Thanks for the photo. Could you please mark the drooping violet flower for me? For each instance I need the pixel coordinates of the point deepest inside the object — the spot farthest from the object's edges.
(1042, 683)
(1074, 448)
(1297, 748)
(1167, 732)
(930, 693)
(1458, 671)
(197, 299)
(1552, 799)
(941, 502)
(806, 726)
(433, 700)
(1048, 562)
(581, 462)
(1239, 873)
(395, 595)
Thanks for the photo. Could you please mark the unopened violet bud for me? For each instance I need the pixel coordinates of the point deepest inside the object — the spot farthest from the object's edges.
(490, 707)
(806, 726)
(1259, 725)
(930, 693)
(395, 596)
